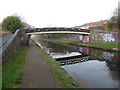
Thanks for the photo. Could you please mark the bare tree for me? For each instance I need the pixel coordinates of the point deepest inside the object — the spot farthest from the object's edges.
(114, 20)
(119, 15)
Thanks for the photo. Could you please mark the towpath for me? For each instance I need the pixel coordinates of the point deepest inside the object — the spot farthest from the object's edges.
(36, 71)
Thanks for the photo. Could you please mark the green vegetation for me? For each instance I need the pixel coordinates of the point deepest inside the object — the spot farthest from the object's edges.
(105, 45)
(13, 68)
(80, 42)
(118, 31)
(114, 21)
(2, 33)
(0, 74)
(12, 23)
(65, 80)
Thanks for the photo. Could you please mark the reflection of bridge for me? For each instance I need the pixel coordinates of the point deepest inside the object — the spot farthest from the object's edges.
(57, 30)
(74, 61)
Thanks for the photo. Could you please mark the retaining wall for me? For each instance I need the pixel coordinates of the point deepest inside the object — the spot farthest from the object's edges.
(83, 38)
(99, 36)
(17, 41)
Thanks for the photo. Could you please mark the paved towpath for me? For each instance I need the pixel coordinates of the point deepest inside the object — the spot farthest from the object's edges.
(36, 71)
(6, 38)
(3, 40)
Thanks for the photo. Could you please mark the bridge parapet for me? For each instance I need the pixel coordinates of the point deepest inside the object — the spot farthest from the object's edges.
(69, 30)
(17, 40)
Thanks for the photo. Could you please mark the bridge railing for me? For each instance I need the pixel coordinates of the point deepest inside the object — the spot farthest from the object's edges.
(56, 29)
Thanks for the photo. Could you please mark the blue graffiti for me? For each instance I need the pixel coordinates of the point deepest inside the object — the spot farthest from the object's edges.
(75, 37)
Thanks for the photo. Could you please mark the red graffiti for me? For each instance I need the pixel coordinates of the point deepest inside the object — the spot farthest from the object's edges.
(117, 37)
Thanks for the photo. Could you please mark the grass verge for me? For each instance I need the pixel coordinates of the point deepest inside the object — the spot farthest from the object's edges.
(105, 45)
(65, 80)
(0, 73)
(93, 44)
(13, 68)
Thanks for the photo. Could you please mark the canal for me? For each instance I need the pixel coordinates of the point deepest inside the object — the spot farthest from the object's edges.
(91, 68)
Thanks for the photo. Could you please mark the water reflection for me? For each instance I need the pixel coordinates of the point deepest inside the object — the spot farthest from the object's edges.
(62, 56)
(93, 74)
(74, 61)
(95, 68)
(96, 54)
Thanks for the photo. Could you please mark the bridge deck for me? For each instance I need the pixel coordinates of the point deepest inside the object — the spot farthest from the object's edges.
(57, 32)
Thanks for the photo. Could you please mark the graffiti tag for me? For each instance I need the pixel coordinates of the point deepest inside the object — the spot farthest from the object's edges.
(108, 38)
(75, 37)
(98, 36)
(81, 37)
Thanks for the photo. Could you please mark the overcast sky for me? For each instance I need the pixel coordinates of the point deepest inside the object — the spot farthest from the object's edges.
(59, 13)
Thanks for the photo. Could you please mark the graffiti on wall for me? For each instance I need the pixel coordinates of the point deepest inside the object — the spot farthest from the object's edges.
(85, 39)
(81, 37)
(108, 38)
(78, 37)
(75, 37)
(104, 37)
(98, 36)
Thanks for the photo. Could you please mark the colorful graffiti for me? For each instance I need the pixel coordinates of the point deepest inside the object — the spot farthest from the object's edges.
(76, 38)
(108, 38)
(117, 37)
(85, 39)
(81, 37)
(104, 37)
(98, 36)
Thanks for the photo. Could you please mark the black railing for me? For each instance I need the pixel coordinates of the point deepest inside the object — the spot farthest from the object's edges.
(56, 29)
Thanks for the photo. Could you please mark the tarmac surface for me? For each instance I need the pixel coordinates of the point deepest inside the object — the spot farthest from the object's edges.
(36, 71)
(6, 38)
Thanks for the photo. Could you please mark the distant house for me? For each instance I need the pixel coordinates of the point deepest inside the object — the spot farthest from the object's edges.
(100, 25)
(95, 25)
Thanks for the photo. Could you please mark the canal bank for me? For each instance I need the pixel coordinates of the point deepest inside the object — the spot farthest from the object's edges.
(109, 47)
(36, 72)
(63, 80)
(100, 70)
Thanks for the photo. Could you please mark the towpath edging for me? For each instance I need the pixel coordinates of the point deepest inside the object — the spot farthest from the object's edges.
(92, 46)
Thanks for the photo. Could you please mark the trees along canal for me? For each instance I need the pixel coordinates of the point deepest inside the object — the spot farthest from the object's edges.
(12, 23)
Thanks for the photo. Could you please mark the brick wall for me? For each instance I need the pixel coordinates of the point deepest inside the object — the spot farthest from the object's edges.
(83, 38)
(99, 36)
(17, 40)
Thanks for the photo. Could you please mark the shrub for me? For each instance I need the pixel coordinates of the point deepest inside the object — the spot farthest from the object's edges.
(12, 23)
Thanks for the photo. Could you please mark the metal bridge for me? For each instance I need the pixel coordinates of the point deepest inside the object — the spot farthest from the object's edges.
(57, 31)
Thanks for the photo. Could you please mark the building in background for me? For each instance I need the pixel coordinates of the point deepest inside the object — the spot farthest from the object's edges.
(99, 25)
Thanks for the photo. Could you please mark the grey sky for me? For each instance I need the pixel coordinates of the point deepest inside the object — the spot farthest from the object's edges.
(66, 13)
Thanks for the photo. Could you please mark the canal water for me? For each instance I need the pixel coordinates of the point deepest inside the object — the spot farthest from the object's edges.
(90, 67)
